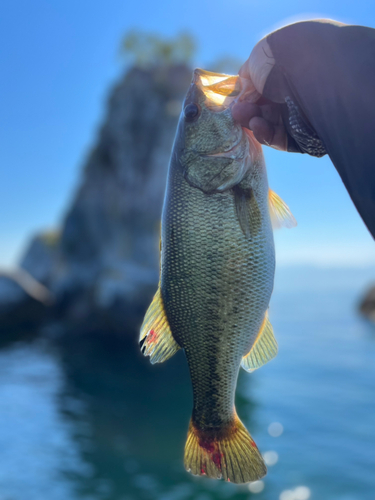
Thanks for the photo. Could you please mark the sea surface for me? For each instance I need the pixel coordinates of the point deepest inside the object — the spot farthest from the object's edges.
(87, 417)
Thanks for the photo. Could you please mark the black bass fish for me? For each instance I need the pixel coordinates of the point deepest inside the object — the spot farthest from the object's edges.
(217, 272)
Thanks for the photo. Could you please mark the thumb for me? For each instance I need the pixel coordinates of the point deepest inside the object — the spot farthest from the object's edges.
(259, 65)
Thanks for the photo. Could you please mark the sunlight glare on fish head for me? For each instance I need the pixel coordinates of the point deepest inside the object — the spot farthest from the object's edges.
(207, 80)
(215, 99)
(220, 90)
(213, 141)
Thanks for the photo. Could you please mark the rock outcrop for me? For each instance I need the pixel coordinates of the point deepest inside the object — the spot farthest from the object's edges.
(24, 301)
(102, 265)
(367, 305)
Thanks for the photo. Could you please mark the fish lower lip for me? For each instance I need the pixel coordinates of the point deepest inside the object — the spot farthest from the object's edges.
(231, 153)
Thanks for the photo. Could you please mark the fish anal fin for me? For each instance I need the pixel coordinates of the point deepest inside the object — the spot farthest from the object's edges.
(156, 338)
(280, 213)
(264, 348)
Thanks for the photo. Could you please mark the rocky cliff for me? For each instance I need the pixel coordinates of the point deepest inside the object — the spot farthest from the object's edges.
(367, 305)
(101, 266)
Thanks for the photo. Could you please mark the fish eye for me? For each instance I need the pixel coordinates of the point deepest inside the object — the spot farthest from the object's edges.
(191, 112)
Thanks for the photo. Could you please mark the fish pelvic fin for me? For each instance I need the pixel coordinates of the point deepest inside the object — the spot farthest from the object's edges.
(280, 213)
(264, 348)
(156, 338)
(229, 453)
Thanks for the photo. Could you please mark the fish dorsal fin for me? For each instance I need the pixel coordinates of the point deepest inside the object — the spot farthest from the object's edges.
(264, 348)
(280, 213)
(156, 338)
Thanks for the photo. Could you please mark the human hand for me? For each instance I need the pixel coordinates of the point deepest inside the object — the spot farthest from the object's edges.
(263, 117)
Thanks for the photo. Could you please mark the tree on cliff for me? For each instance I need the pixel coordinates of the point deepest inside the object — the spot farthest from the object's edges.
(148, 49)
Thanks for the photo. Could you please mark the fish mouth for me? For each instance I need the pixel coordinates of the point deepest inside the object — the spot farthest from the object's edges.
(236, 151)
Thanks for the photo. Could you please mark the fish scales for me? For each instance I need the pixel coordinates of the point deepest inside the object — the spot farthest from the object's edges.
(216, 288)
(217, 270)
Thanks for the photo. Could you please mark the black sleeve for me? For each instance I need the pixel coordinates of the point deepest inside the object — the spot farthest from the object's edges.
(325, 74)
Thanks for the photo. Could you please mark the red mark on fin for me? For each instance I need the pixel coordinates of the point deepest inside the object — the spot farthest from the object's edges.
(216, 457)
(152, 337)
(209, 446)
(254, 445)
(212, 449)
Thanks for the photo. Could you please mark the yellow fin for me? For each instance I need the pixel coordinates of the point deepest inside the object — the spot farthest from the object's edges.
(228, 453)
(156, 338)
(264, 348)
(280, 213)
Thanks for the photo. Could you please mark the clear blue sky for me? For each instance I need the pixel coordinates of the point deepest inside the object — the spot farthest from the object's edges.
(58, 60)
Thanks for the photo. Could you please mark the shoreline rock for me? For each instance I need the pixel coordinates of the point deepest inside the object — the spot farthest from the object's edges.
(24, 302)
(367, 305)
(102, 265)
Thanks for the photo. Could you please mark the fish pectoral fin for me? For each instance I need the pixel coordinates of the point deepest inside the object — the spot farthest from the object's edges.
(156, 338)
(241, 201)
(280, 213)
(264, 348)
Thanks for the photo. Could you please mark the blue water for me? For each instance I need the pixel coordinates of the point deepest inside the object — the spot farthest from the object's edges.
(321, 388)
(86, 417)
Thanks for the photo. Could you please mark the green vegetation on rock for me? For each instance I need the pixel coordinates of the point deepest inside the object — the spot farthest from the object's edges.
(148, 49)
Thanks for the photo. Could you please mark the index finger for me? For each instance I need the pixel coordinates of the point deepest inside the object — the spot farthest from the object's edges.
(259, 65)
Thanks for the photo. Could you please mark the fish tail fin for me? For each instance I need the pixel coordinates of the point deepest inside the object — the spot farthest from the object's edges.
(229, 453)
